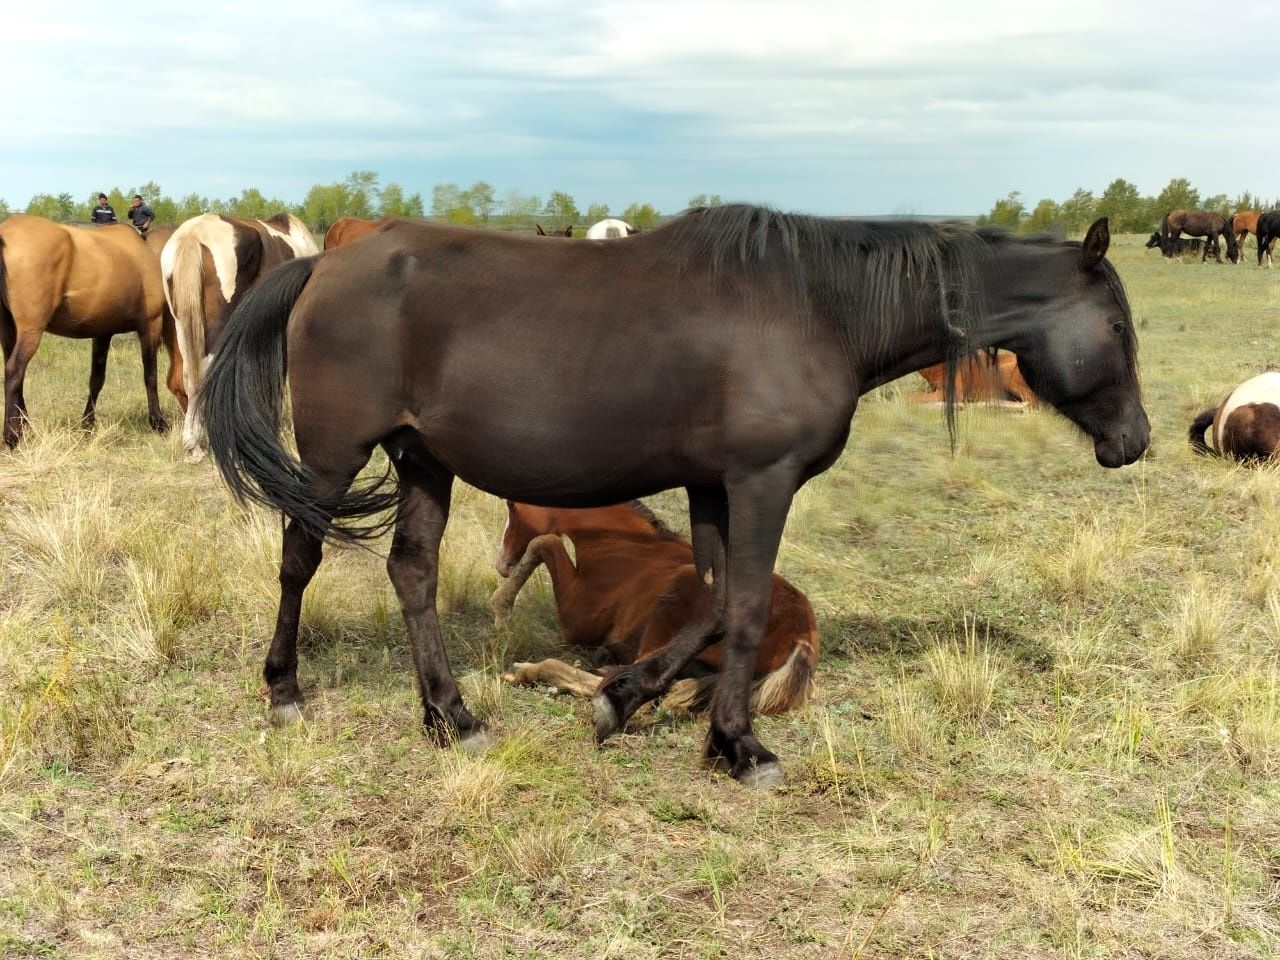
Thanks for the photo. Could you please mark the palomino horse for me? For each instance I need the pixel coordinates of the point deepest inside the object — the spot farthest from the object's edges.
(1198, 223)
(81, 283)
(208, 265)
(723, 352)
(346, 229)
(610, 229)
(1246, 425)
(566, 232)
(1265, 234)
(980, 378)
(1242, 224)
(629, 591)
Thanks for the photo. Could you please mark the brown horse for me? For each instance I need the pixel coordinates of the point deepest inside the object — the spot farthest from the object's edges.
(346, 229)
(724, 353)
(1199, 223)
(1246, 425)
(631, 590)
(1242, 224)
(566, 232)
(79, 283)
(209, 263)
(978, 379)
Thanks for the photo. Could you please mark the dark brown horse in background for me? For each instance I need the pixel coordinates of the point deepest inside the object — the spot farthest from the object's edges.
(566, 232)
(83, 283)
(346, 229)
(746, 339)
(1198, 223)
(628, 592)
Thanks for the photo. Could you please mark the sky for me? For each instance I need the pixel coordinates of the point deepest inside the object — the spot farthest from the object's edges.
(832, 108)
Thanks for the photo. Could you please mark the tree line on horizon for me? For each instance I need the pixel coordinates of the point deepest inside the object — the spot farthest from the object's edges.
(1121, 203)
(359, 195)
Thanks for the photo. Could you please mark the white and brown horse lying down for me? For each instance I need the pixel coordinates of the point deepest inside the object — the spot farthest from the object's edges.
(208, 265)
(628, 592)
(1246, 425)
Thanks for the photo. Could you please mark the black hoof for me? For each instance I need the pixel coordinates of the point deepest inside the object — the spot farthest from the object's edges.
(620, 696)
(463, 729)
(744, 759)
(159, 424)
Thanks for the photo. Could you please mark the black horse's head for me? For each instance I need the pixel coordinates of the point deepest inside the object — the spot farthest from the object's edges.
(1079, 353)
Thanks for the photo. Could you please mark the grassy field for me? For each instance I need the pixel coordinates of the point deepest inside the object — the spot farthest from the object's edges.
(1047, 722)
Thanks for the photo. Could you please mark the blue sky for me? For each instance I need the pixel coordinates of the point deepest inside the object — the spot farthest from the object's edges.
(830, 108)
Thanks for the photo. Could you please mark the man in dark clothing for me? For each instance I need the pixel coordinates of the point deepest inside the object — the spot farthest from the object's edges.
(140, 215)
(104, 212)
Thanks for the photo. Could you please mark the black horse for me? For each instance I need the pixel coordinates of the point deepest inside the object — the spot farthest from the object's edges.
(1175, 248)
(1199, 223)
(1268, 230)
(724, 353)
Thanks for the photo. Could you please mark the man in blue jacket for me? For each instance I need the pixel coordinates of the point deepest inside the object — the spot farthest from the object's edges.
(140, 215)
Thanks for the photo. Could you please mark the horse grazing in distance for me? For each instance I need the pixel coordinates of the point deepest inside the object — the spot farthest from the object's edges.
(1199, 223)
(610, 229)
(208, 265)
(631, 588)
(83, 283)
(1246, 425)
(1267, 230)
(346, 229)
(724, 353)
(1176, 248)
(1242, 224)
(566, 232)
(980, 378)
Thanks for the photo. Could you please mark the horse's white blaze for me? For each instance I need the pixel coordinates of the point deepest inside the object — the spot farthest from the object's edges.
(609, 230)
(1264, 388)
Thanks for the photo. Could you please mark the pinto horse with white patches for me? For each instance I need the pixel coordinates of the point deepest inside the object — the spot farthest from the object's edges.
(1246, 425)
(610, 229)
(208, 265)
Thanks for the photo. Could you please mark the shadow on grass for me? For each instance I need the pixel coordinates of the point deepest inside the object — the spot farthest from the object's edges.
(844, 638)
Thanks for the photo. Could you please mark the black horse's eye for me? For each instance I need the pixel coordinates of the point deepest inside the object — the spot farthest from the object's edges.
(1118, 326)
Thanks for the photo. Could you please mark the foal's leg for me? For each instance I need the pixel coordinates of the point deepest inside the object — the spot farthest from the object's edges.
(414, 566)
(149, 340)
(97, 377)
(629, 687)
(17, 357)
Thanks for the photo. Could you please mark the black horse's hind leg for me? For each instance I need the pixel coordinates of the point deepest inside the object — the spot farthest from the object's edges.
(757, 512)
(414, 566)
(150, 347)
(300, 556)
(630, 687)
(97, 377)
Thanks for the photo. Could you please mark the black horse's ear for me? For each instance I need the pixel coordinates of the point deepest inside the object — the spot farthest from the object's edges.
(568, 231)
(1095, 245)
(538, 227)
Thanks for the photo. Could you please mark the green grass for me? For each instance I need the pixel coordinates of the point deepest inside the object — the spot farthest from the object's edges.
(1047, 722)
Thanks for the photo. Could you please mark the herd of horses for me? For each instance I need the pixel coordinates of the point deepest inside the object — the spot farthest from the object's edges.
(723, 353)
(1204, 227)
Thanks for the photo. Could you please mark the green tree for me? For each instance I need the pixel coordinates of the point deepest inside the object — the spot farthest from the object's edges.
(596, 212)
(1178, 194)
(1045, 215)
(479, 197)
(4, 209)
(1007, 212)
(324, 204)
(705, 200)
(252, 203)
(393, 203)
(362, 190)
(1123, 205)
(1218, 202)
(1078, 211)
(642, 216)
(561, 208)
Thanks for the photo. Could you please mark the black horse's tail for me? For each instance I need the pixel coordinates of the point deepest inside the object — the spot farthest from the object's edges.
(241, 402)
(1196, 434)
(6, 315)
